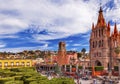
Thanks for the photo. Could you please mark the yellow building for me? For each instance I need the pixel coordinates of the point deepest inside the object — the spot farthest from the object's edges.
(15, 63)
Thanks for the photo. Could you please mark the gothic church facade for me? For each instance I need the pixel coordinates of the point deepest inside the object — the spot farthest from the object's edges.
(103, 43)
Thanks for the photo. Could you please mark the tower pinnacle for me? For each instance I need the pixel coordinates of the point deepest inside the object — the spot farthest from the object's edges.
(115, 29)
(101, 21)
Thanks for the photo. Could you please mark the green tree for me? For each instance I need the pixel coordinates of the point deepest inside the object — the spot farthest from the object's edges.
(117, 50)
(57, 69)
(84, 56)
(83, 50)
(79, 55)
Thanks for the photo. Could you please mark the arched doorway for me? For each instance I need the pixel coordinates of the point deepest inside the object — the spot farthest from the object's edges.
(98, 63)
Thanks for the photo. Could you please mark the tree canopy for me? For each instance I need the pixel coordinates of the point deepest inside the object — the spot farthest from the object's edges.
(117, 50)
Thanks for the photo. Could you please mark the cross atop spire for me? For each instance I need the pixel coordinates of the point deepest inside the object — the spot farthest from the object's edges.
(101, 21)
(100, 7)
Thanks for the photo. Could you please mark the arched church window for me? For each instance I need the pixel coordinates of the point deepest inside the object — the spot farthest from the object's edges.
(93, 44)
(96, 44)
(99, 43)
(102, 32)
(99, 33)
(96, 33)
(99, 54)
(94, 54)
(102, 43)
(115, 43)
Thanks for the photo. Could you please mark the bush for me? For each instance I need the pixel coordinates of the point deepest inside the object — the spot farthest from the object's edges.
(14, 82)
(28, 80)
(23, 69)
(41, 82)
(9, 74)
(62, 81)
(14, 69)
(4, 80)
(80, 67)
(99, 68)
(116, 68)
(18, 77)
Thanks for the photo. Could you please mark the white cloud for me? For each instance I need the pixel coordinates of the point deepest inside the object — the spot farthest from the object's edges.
(45, 45)
(80, 45)
(74, 49)
(8, 36)
(76, 44)
(67, 18)
(2, 44)
(19, 49)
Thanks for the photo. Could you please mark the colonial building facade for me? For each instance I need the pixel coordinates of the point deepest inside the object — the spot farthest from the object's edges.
(103, 43)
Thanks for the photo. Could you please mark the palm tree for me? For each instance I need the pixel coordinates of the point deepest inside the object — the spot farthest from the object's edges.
(117, 51)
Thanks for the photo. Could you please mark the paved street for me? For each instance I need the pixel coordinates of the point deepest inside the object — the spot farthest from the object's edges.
(87, 81)
(91, 82)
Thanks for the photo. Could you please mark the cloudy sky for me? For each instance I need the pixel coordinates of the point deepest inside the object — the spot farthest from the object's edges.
(41, 24)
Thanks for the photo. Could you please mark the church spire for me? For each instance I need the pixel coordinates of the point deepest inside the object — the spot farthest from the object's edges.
(115, 29)
(92, 26)
(101, 21)
(108, 29)
(108, 26)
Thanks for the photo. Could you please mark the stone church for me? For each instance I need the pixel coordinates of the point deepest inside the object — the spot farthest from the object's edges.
(103, 42)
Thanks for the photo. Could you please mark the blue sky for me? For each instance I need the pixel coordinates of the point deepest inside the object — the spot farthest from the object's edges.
(41, 24)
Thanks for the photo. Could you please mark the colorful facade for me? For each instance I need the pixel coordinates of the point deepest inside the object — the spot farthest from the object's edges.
(103, 43)
(15, 63)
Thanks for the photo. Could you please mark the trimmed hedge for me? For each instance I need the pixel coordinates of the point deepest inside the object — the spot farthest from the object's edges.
(62, 81)
(18, 77)
(14, 82)
(116, 68)
(29, 76)
(80, 67)
(99, 68)
(4, 80)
